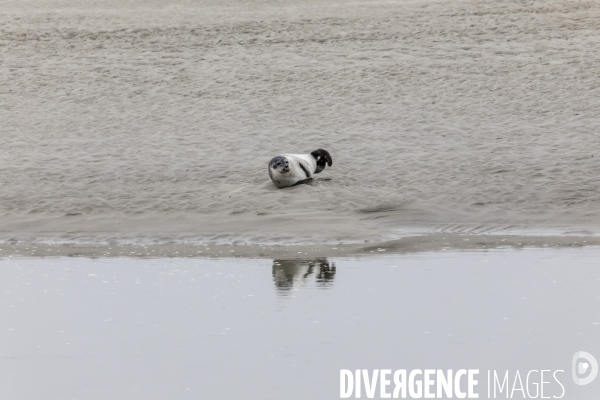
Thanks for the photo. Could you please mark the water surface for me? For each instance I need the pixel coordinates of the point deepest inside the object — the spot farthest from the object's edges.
(193, 328)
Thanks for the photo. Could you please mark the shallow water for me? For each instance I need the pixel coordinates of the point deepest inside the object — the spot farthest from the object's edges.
(173, 328)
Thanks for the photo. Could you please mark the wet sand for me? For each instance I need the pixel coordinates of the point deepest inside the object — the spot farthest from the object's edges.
(409, 244)
(134, 328)
(154, 121)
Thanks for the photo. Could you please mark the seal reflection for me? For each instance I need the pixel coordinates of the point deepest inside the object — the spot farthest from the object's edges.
(288, 274)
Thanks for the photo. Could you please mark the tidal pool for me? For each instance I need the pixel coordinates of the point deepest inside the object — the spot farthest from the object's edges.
(240, 328)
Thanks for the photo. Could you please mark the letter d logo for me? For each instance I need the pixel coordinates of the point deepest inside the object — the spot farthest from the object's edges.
(582, 362)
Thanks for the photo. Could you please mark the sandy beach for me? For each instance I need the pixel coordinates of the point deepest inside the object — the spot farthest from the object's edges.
(154, 121)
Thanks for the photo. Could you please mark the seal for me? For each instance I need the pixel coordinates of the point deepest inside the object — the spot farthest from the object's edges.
(294, 169)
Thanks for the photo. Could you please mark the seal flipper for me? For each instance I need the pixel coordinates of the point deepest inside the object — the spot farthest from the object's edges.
(307, 181)
(305, 169)
(323, 157)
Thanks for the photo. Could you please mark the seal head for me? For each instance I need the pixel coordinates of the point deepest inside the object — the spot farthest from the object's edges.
(279, 164)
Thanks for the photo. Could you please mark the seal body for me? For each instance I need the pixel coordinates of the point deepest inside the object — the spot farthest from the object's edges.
(294, 169)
